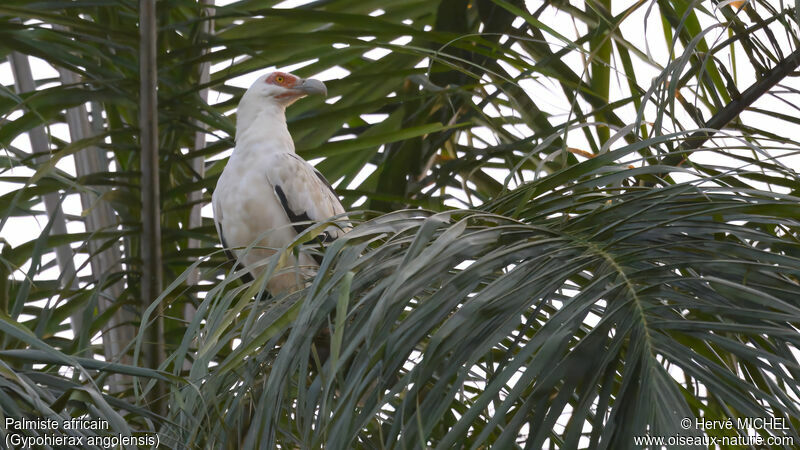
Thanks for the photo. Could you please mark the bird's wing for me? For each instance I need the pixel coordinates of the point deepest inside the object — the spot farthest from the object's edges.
(304, 194)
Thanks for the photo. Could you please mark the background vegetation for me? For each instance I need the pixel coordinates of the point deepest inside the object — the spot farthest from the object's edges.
(575, 222)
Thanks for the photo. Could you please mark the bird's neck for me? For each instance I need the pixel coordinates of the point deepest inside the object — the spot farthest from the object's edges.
(261, 128)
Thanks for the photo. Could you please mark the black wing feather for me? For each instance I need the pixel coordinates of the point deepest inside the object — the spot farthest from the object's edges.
(246, 277)
(325, 181)
(294, 217)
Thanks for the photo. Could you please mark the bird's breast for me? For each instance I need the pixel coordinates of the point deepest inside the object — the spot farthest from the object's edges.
(250, 209)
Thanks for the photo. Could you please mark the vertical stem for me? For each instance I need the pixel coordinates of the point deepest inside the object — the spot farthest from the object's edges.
(151, 210)
(198, 164)
(600, 45)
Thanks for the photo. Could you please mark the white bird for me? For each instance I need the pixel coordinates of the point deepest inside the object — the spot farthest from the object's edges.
(266, 187)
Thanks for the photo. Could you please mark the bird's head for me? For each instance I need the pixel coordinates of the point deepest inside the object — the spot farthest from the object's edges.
(283, 88)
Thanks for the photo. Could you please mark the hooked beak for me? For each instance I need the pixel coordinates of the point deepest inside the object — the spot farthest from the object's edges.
(311, 86)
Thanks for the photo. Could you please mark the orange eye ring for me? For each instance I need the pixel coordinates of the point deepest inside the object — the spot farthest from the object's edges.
(279, 79)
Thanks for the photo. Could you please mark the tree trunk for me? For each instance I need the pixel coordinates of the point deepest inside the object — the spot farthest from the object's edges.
(198, 164)
(151, 209)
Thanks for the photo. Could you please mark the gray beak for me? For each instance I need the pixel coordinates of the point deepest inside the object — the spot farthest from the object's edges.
(311, 87)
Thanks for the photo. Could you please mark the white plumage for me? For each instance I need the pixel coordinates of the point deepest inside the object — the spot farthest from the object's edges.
(266, 186)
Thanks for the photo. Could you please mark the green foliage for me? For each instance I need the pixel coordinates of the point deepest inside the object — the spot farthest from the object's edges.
(522, 274)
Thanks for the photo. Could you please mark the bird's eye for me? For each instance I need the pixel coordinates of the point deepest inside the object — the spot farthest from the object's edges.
(279, 79)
